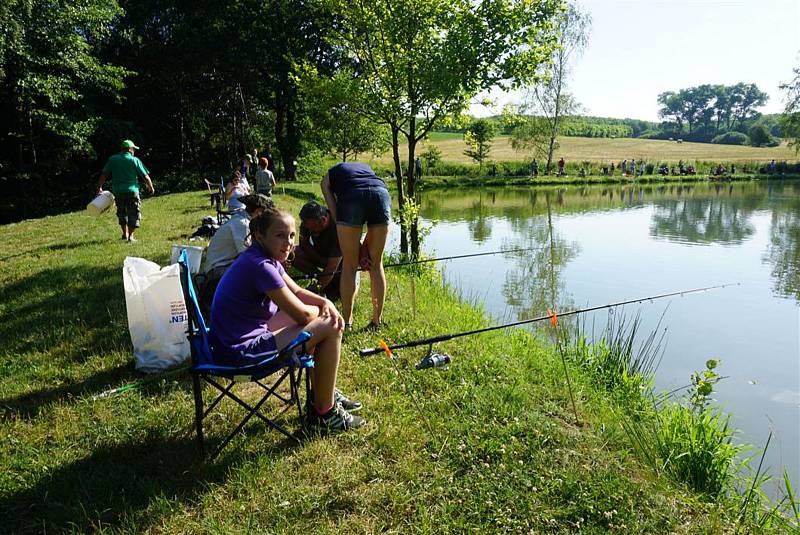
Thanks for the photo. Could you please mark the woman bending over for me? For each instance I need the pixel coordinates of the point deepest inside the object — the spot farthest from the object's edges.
(356, 196)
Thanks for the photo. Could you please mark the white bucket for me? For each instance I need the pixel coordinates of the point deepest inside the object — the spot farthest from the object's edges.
(193, 253)
(101, 203)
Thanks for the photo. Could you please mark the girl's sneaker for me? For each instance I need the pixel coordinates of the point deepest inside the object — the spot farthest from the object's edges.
(338, 419)
(347, 404)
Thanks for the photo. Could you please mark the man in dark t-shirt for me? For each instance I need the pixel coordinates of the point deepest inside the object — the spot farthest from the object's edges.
(318, 253)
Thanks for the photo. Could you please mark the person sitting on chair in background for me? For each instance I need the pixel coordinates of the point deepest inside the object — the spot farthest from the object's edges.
(265, 180)
(228, 242)
(258, 308)
(234, 190)
(355, 195)
(318, 252)
(245, 169)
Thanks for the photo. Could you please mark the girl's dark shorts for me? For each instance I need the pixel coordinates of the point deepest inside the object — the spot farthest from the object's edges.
(371, 205)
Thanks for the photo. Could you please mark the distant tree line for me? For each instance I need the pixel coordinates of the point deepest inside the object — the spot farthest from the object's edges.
(716, 113)
(706, 114)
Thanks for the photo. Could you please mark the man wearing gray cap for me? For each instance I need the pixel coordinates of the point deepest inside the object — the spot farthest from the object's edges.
(125, 170)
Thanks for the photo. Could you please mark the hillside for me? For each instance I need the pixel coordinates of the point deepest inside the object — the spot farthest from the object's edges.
(607, 150)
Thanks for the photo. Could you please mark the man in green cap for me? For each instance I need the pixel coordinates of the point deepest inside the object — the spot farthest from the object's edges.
(125, 170)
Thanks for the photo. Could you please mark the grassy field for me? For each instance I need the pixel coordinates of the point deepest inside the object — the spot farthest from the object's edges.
(605, 150)
(489, 445)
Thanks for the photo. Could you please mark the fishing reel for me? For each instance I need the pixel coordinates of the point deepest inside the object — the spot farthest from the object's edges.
(434, 360)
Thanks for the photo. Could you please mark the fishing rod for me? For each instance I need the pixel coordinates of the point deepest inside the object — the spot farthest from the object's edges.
(444, 337)
(424, 260)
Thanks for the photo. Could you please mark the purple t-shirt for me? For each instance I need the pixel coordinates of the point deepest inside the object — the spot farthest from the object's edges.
(241, 308)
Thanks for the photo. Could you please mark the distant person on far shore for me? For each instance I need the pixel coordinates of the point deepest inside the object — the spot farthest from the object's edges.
(535, 167)
(125, 170)
(561, 164)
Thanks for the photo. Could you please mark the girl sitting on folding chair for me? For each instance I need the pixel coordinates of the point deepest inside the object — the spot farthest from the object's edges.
(246, 323)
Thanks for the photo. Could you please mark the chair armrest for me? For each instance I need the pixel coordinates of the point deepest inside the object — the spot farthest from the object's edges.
(301, 339)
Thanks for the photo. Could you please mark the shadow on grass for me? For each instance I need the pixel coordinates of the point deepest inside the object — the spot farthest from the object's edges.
(68, 312)
(115, 485)
(52, 248)
(28, 405)
(299, 194)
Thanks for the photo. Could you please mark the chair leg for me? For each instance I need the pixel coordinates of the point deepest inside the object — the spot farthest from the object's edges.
(198, 410)
(295, 381)
(254, 411)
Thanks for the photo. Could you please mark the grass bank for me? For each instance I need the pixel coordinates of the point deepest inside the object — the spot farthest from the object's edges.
(489, 444)
(434, 182)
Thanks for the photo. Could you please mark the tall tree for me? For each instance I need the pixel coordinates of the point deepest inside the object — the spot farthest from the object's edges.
(419, 61)
(550, 98)
(478, 138)
(790, 120)
(746, 98)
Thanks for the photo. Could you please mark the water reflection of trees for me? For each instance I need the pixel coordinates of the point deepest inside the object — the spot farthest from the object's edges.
(479, 225)
(704, 220)
(535, 282)
(696, 213)
(783, 251)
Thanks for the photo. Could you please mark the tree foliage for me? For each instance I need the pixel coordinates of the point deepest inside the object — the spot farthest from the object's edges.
(419, 61)
(336, 125)
(791, 114)
(759, 136)
(708, 110)
(550, 99)
(51, 78)
(478, 138)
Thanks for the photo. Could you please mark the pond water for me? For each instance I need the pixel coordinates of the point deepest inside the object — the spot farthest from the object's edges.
(601, 244)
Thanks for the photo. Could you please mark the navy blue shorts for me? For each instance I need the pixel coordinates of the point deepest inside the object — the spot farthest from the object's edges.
(256, 350)
(371, 206)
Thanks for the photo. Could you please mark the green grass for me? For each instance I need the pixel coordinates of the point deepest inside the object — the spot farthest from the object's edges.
(606, 150)
(488, 445)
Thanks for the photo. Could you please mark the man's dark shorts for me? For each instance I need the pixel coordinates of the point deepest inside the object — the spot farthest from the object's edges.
(371, 206)
(129, 209)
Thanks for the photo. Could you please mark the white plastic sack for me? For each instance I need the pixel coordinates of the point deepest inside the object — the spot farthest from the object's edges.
(156, 314)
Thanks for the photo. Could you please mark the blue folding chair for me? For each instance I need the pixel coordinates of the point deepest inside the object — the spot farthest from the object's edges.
(288, 362)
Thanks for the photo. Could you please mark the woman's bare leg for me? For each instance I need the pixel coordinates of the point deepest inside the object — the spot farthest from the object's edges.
(326, 340)
(349, 243)
(376, 242)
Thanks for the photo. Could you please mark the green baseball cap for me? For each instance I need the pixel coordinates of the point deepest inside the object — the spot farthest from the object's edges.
(128, 144)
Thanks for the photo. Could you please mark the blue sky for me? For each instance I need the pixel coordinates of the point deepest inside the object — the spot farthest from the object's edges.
(640, 48)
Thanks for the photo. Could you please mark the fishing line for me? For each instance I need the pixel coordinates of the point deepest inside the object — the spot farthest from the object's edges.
(422, 261)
